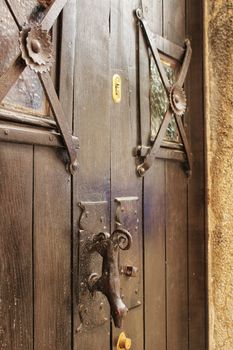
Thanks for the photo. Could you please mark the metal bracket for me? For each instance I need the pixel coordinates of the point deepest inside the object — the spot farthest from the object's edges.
(37, 35)
(175, 94)
(127, 217)
(105, 276)
(93, 308)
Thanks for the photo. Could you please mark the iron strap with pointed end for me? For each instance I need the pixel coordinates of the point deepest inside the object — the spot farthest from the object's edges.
(176, 96)
(36, 52)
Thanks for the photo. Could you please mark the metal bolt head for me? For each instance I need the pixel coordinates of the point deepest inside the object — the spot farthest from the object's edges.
(139, 13)
(35, 45)
(141, 170)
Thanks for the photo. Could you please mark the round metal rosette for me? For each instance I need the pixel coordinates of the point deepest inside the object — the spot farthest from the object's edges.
(36, 48)
(178, 100)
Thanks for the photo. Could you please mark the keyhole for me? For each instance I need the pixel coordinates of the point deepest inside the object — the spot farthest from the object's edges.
(117, 89)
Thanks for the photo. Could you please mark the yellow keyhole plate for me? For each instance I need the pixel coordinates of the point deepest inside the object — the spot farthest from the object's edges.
(116, 88)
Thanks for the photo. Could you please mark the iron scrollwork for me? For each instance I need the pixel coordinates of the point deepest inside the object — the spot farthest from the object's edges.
(108, 283)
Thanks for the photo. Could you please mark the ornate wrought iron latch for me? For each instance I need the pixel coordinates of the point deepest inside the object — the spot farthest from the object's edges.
(176, 96)
(37, 53)
(109, 282)
(104, 273)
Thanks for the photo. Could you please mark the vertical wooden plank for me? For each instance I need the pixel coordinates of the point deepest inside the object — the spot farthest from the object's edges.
(66, 96)
(124, 131)
(52, 234)
(154, 205)
(176, 257)
(196, 192)
(52, 227)
(152, 10)
(16, 295)
(174, 20)
(155, 271)
(176, 216)
(92, 125)
(68, 34)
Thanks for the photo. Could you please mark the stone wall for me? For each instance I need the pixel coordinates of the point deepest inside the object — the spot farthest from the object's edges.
(219, 122)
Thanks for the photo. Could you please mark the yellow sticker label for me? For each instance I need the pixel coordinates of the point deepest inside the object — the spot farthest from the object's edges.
(116, 88)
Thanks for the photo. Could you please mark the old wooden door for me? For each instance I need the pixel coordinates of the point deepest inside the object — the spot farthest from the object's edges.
(78, 250)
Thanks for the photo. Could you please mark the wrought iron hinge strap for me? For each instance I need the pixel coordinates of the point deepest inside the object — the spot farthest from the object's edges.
(176, 96)
(20, 62)
(151, 43)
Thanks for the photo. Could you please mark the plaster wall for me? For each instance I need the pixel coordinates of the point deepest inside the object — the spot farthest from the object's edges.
(219, 125)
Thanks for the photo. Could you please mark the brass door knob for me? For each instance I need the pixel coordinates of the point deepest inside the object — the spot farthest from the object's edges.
(124, 343)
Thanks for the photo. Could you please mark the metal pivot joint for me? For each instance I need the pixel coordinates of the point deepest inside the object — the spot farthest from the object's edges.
(108, 283)
(175, 94)
(36, 52)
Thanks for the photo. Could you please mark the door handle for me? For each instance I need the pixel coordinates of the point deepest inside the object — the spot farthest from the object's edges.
(123, 342)
(108, 246)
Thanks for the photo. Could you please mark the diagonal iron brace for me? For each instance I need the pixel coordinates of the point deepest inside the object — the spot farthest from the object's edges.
(175, 94)
(9, 78)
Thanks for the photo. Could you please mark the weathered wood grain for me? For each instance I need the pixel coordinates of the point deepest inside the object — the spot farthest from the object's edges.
(176, 257)
(16, 265)
(52, 249)
(155, 256)
(92, 124)
(154, 203)
(52, 213)
(124, 133)
(196, 188)
(176, 217)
